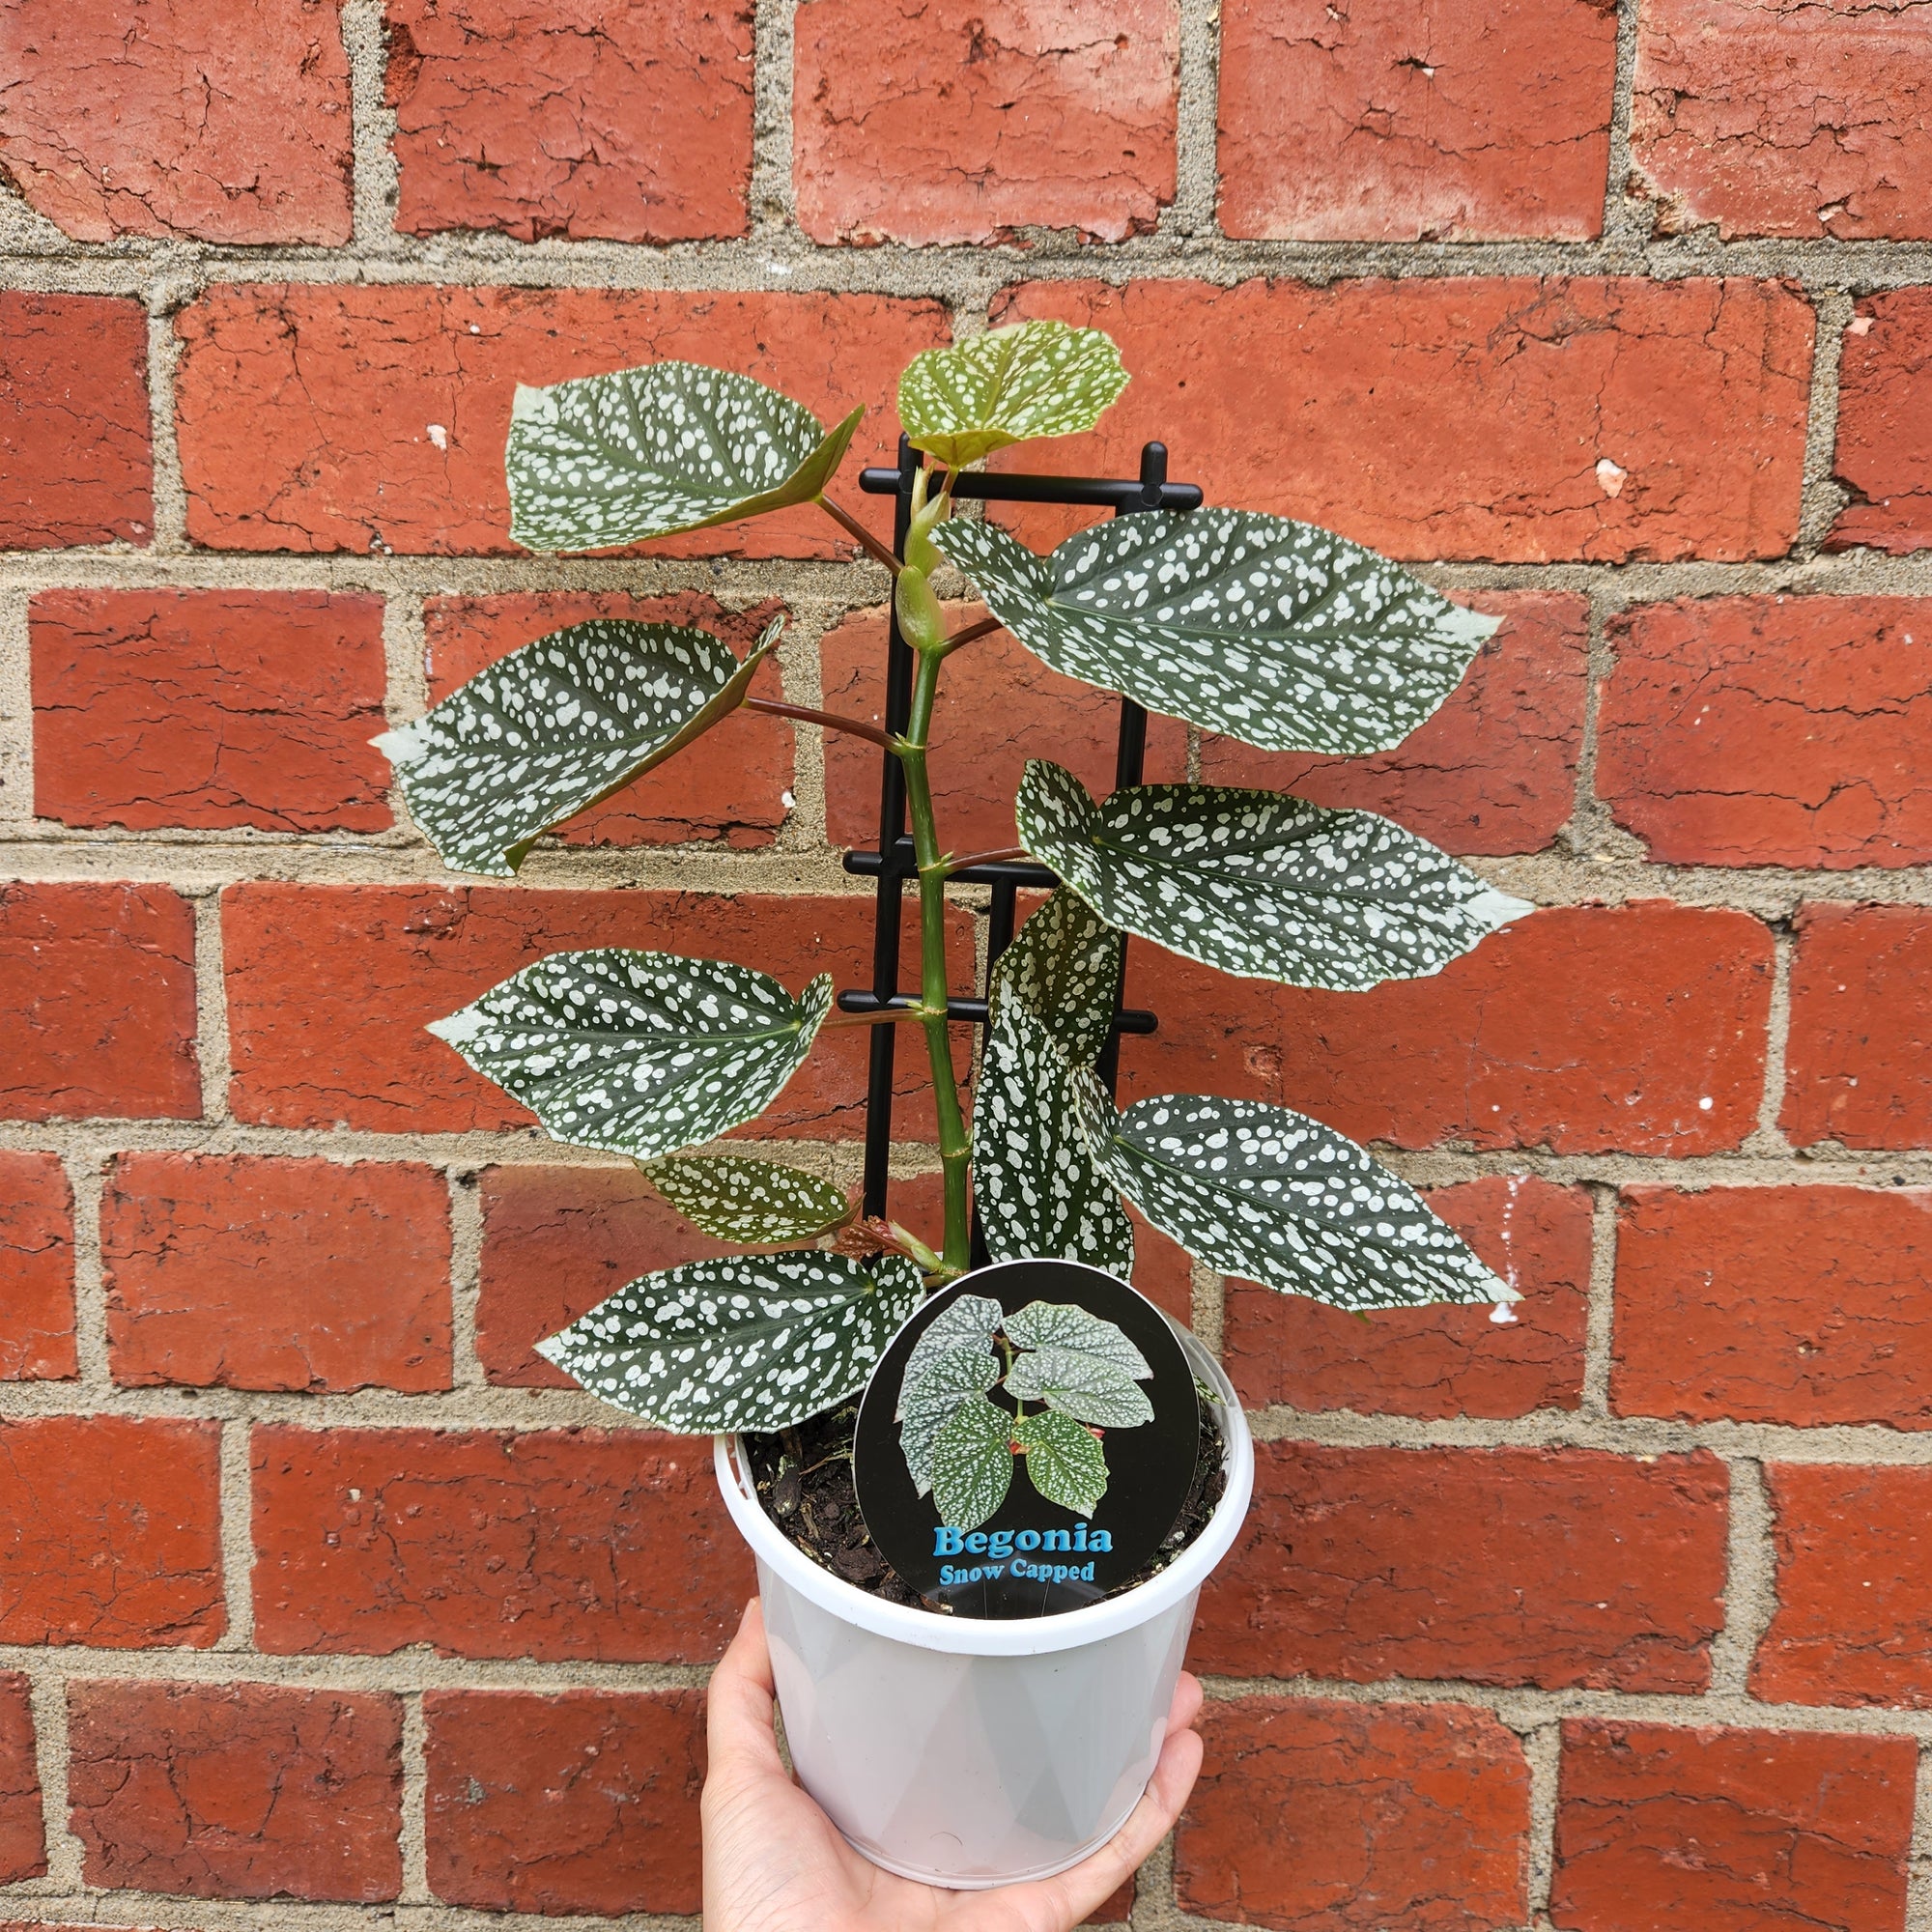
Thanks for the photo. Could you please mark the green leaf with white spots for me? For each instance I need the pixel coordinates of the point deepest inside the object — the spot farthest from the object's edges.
(1276, 1198)
(1085, 1386)
(554, 728)
(967, 1322)
(926, 1405)
(758, 1203)
(641, 1053)
(1066, 1463)
(1065, 1324)
(972, 1463)
(1012, 384)
(606, 461)
(1261, 884)
(1275, 633)
(1065, 968)
(749, 1342)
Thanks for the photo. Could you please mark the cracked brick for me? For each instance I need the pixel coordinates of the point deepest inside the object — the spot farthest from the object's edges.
(236, 1790)
(1318, 1816)
(209, 708)
(208, 119)
(585, 1802)
(1884, 459)
(1415, 122)
(1556, 1567)
(23, 1845)
(1730, 1831)
(628, 124)
(257, 1272)
(36, 1338)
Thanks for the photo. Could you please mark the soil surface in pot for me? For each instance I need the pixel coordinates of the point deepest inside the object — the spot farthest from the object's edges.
(803, 1480)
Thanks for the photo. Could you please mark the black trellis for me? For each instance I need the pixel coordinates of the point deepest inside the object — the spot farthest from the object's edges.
(894, 862)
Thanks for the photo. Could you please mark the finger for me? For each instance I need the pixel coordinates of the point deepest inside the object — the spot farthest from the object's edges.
(738, 1724)
(1187, 1705)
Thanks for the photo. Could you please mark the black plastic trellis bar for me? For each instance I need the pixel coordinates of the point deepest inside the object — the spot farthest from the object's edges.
(892, 862)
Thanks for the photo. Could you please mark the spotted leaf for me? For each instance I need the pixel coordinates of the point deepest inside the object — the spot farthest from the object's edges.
(642, 1053)
(1065, 968)
(556, 726)
(1032, 379)
(1065, 1324)
(972, 1463)
(609, 460)
(1275, 633)
(926, 1406)
(749, 1342)
(1259, 1192)
(1065, 1462)
(755, 1202)
(1259, 884)
(1086, 1388)
(966, 1322)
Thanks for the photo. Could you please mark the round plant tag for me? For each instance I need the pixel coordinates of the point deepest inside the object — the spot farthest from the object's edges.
(1027, 1441)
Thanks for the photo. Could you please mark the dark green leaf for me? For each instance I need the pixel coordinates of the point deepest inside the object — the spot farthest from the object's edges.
(1065, 968)
(972, 1463)
(756, 1201)
(1066, 1463)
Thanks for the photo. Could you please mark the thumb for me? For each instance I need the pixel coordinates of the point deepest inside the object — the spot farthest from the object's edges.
(739, 1734)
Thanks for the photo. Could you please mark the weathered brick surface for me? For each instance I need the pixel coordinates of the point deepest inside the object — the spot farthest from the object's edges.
(329, 988)
(1733, 1830)
(361, 419)
(580, 1802)
(1771, 117)
(1318, 1816)
(1549, 1567)
(97, 982)
(1646, 1034)
(1771, 731)
(1855, 1069)
(23, 1845)
(252, 1271)
(731, 793)
(1415, 123)
(108, 1532)
(1495, 770)
(238, 1790)
(1437, 1361)
(209, 708)
(916, 121)
(37, 1339)
(1799, 1305)
(553, 1544)
(1885, 423)
(75, 467)
(223, 122)
(632, 124)
(1465, 418)
(1854, 1620)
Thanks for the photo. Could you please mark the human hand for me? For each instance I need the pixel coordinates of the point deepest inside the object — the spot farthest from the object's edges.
(775, 1863)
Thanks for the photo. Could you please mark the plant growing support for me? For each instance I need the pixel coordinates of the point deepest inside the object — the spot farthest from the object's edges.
(894, 863)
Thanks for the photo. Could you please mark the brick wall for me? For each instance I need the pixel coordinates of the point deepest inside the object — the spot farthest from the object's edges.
(322, 1599)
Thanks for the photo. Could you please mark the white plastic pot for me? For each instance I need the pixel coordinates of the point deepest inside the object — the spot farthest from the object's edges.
(972, 1752)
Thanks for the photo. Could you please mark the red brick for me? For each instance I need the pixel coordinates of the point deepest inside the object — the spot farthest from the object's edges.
(1494, 771)
(582, 1803)
(329, 988)
(1328, 1817)
(561, 1544)
(238, 1790)
(1885, 424)
(1854, 1587)
(631, 124)
(1731, 1830)
(730, 790)
(1856, 1065)
(1770, 117)
(1798, 1305)
(101, 979)
(1415, 123)
(917, 123)
(75, 466)
(1552, 1567)
(209, 708)
(223, 122)
(110, 1532)
(249, 1271)
(37, 1339)
(1437, 1361)
(23, 1845)
(1646, 1034)
(998, 707)
(1771, 731)
(1445, 419)
(373, 418)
